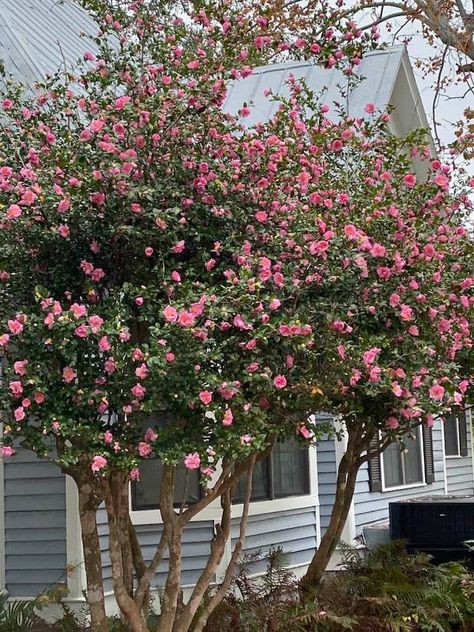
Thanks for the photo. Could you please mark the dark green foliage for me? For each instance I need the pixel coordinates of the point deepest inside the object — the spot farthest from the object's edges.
(384, 590)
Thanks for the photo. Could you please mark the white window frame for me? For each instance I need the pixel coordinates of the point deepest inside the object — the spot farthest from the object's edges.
(458, 455)
(213, 511)
(422, 483)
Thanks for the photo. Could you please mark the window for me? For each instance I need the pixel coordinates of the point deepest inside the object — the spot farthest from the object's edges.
(455, 435)
(146, 491)
(284, 473)
(405, 467)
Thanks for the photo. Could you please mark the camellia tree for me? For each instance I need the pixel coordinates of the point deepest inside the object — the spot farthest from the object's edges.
(156, 255)
(137, 278)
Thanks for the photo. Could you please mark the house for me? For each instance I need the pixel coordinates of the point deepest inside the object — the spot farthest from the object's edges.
(293, 489)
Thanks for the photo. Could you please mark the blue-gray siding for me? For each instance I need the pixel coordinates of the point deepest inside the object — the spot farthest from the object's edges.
(294, 531)
(326, 455)
(373, 506)
(35, 525)
(459, 469)
(197, 539)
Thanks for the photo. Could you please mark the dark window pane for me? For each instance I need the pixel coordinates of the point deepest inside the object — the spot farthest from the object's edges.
(260, 483)
(290, 470)
(392, 466)
(412, 461)
(146, 491)
(451, 436)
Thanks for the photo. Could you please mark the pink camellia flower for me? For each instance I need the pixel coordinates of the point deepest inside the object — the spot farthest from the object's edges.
(135, 474)
(392, 423)
(109, 365)
(186, 319)
(16, 388)
(179, 247)
(69, 374)
(98, 463)
(15, 327)
(149, 251)
(351, 231)
(6, 450)
(104, 344)
(305, 432)
(274, 304)
(96, 125)
(280, 381)
(406, 312)
(20, 367)
(441, 181)
(96, 323)
(81, 331)
(394, 300)
(139, 301)
(78, 311)
(141, 371)
(437, 392)
(108, 437)
(4, 338)
(374, 375)
(245, 439)
(39, 397)
(378, 250)
(138, 391)
(170, 314)
(369, 108)
(205, 397)
(192, 461)
(413, 330)
(150, 435)
(19, 413)
(144, 449)
(409, 180)
(169, 357)
(14, 212)
(228, 418)
(370, 355)
(63, 231)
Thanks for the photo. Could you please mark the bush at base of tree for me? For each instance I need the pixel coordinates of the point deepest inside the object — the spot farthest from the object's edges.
(383, 590)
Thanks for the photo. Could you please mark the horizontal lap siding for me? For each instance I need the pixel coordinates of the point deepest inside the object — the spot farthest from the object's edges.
(35, 525)
(459, 469)
(373, 506)
(197, 539)
(293, 531)
(326, 456)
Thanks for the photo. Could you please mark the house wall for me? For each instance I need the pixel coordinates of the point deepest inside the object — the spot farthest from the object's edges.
(373, 506)
(295, 532)
(35, 525)
(327, 472)
(459, 469)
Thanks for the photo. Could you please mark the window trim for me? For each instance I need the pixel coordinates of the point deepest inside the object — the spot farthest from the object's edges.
(458, 437)
(213, 512)
(271, 482)
(422, 483)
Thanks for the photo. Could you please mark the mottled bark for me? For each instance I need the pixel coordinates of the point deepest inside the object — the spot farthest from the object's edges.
(88, 504)
(345, 487)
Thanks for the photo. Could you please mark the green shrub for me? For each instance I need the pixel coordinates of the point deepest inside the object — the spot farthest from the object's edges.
(384, 590)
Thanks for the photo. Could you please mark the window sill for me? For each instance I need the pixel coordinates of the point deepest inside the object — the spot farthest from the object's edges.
(455, 456)
(402, 487)
(214, 511)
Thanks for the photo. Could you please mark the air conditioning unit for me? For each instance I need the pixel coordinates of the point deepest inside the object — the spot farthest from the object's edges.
(437, 525)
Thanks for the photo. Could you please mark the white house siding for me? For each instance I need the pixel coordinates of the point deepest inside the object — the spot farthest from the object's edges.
(459, 470)
(35, 525)
(373, 506)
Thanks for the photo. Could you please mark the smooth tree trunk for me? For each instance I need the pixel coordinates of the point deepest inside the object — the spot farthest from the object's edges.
(88, 505)
(345, 487)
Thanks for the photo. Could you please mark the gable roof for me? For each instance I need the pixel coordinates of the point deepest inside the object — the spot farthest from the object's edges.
(380, 69)
(37, 36)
